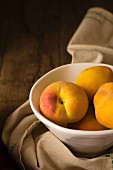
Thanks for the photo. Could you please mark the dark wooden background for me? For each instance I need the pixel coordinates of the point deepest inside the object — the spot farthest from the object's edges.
(33, 38)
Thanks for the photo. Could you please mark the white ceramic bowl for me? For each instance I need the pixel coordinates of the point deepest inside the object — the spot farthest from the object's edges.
(90, 142)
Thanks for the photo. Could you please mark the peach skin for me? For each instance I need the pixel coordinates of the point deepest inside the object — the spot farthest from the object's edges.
(88, 122)
(103, 103)
(92, 78)
(63, 102)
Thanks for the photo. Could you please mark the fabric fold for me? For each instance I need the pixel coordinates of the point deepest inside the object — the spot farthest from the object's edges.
(94, 34)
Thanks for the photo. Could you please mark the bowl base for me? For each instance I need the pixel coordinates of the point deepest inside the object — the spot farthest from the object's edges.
(88, 155)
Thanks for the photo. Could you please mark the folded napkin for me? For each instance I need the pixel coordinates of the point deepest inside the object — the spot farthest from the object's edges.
(93, 40)
(29, 142)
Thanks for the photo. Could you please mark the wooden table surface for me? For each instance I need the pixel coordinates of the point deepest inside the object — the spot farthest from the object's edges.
(33, 38)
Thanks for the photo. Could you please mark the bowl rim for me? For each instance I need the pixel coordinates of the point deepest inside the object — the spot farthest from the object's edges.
(47, 122)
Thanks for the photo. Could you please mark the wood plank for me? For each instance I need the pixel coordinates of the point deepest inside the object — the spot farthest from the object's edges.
(69, 21)
(19, 66)
(43, 22)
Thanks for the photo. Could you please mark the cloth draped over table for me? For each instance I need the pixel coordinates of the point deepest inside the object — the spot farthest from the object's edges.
(29, 142)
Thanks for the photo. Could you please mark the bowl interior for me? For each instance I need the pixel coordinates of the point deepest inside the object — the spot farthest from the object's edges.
(69, 73)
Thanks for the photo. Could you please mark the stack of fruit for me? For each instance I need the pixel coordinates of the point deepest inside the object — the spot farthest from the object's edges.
(86, 104)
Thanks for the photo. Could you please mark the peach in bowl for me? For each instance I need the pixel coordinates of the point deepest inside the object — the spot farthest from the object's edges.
(85, 141)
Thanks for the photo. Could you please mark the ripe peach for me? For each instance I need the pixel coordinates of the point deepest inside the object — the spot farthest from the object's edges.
(103, 103)
(63, 102)
(88, 122)
(92, 78)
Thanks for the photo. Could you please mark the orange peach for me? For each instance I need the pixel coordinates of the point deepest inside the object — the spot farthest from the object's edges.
(88, 122)
(63, 102)
(103, 103)
(92, 78)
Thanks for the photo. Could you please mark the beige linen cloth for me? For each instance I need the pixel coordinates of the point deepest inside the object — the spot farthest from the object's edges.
(28, 141)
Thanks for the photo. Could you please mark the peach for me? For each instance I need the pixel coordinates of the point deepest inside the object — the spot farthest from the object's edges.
(103, 103)
(92, 78)
(88, 122)
(63, 102)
